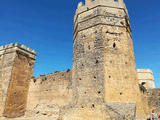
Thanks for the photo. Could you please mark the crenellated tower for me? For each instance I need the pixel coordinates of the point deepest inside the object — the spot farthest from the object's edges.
(16, 69)
(104, 68)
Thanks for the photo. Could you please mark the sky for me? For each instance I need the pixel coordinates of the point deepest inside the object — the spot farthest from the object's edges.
(47, 26)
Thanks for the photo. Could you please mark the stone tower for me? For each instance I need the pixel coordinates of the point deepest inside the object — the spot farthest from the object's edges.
(104, 68)
(145, 76)
(16, 70)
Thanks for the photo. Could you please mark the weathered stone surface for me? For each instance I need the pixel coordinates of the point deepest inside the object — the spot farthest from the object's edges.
(154, 99)
(53, 89)
(104, 57)
(127, 110)
(145, 76)
(103, 84)
(17, 64)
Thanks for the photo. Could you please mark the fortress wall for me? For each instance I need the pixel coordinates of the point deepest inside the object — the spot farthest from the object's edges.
(146, 75)
(6, 65)
(50, 90)
(154, 99)
(16, 69)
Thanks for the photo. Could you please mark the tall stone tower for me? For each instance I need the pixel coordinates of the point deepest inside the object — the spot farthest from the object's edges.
(104, 68)
(16, 70)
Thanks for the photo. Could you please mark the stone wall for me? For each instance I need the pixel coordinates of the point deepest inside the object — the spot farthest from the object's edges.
(6, 66)
(103, 84)
(104, 67)
(16, 69)
(104, 56)
(52, 90)
(146, 76)
(154, 99)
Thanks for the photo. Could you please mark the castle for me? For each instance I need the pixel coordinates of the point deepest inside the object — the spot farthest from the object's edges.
(103, 84)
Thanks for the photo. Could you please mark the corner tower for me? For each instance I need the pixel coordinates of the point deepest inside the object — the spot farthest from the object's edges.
(16, 70)
(104, 68)
(145, 76)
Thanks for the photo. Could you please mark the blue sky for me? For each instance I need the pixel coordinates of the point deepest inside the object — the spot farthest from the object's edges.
(47, 26)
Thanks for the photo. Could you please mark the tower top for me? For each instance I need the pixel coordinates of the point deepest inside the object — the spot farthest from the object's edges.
(17, 47)
(93, 3)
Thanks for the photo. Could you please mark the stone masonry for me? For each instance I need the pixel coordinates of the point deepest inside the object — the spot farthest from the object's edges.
(16, 70)
(154, 99)
(103, 56)
(145, 76)
(103, 84)
(54, 90)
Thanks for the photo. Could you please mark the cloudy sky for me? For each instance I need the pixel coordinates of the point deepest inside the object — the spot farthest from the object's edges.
(47, 26)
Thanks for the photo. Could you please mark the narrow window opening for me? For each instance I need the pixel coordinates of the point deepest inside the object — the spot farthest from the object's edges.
(93, 105)
(114, 45)
(99, 92)
(34, 80)
(109, 76)
(97, 61)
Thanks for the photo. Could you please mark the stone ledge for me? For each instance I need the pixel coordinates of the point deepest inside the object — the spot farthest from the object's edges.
(144, 71)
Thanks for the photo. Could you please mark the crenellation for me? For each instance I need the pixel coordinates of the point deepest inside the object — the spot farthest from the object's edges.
(89, 4)
(17, 47)
(23, 47)
(80, 4)
(101, 15)
(103, 84)
(16, 69)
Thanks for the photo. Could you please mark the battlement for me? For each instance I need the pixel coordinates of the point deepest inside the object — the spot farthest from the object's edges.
(89, 4)
(17, 47)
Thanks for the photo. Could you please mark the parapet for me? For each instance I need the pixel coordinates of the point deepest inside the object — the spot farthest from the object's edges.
(89, 4)
(14, 47)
